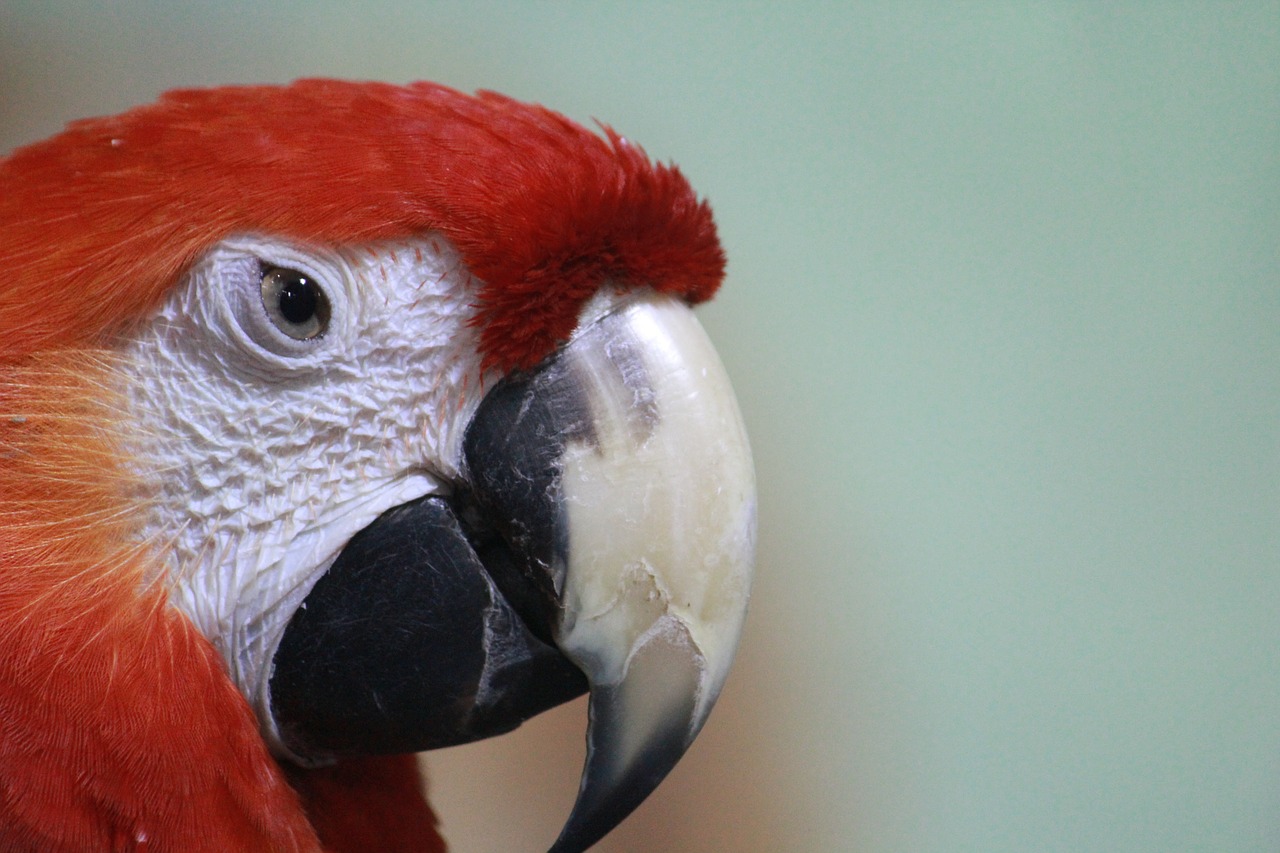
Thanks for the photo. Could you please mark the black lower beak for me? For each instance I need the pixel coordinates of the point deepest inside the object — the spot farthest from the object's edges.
(429, 651)
(603, 541)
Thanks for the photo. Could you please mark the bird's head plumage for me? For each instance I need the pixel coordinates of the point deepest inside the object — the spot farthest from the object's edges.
(321, 409)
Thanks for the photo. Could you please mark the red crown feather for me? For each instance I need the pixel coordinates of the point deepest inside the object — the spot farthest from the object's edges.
(97, 221)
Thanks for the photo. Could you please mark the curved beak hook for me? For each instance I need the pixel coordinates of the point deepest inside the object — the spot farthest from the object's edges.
(647, 471)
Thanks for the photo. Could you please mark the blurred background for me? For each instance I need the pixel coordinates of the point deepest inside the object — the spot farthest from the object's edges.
(1003, 313)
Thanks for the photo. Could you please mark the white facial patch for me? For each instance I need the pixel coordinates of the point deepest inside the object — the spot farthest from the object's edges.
(264, 452)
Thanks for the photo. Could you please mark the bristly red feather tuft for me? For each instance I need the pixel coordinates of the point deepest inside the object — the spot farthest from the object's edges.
(95, 223)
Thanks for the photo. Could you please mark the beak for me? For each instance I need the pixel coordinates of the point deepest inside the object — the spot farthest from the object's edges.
(603, 541)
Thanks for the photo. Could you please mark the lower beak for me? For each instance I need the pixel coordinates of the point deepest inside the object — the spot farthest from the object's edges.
(604, 540)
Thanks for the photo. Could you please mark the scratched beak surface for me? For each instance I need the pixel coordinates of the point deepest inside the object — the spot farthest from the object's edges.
(642, 460)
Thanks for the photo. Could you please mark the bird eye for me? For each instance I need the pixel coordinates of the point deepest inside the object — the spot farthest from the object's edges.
(295, 303)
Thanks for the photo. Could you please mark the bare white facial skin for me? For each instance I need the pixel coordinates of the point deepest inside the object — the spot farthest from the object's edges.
(262, 454)
(267, 438)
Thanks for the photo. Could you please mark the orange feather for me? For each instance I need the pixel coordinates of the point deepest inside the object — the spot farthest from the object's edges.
(119, 728)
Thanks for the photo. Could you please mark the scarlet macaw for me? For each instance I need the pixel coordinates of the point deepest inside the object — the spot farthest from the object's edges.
(340, 421)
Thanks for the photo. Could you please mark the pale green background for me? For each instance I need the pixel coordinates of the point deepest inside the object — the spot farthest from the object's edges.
(1004, 316)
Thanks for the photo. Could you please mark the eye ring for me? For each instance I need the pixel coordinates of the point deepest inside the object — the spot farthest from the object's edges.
(295, 302)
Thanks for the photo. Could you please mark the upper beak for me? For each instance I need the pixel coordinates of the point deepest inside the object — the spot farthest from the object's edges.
(604, 539)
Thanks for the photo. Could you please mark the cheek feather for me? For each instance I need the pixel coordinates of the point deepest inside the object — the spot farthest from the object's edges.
(97, 671)
(66, 489)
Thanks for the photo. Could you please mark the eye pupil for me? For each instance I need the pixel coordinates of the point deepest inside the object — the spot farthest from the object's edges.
(298, 299)
(295, 302)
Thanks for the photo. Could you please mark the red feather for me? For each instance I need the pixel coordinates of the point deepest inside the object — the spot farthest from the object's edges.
(119, 728)
(99, 220)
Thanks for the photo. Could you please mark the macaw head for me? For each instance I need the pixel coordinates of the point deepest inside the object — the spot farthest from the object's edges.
(390, 399)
